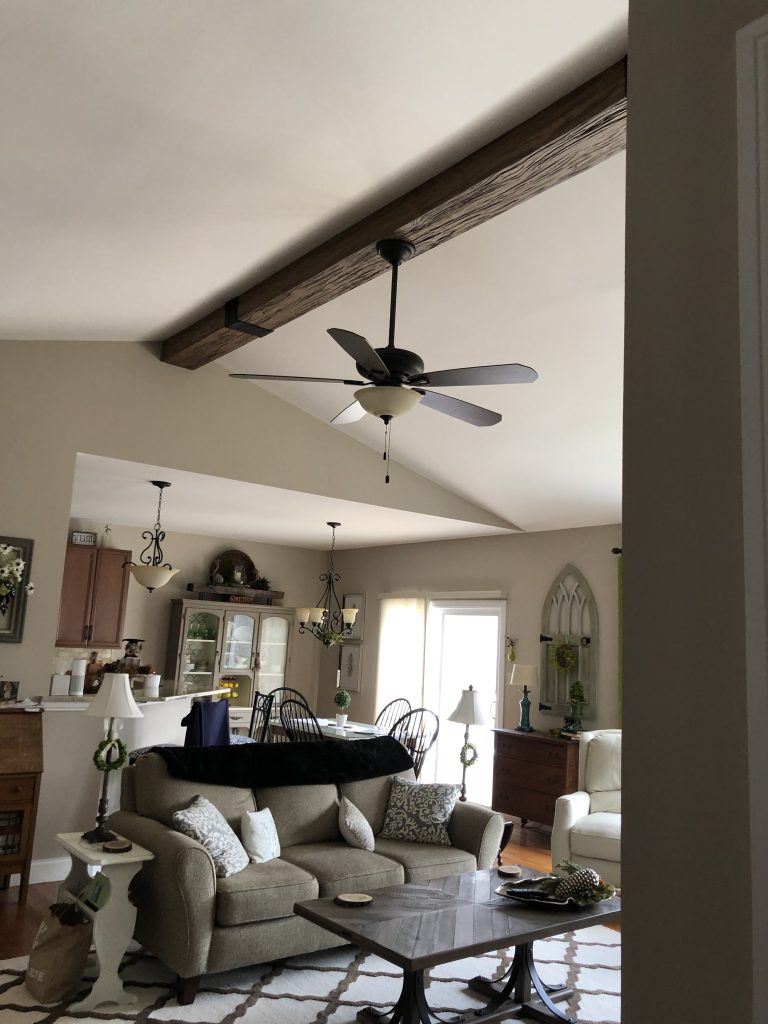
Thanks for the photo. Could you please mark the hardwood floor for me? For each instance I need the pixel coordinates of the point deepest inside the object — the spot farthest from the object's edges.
(528, 847)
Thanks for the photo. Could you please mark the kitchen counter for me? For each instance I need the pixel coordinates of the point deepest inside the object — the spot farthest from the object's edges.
(71, 702)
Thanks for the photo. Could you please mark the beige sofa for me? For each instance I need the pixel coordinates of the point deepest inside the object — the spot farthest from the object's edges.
(198, 924)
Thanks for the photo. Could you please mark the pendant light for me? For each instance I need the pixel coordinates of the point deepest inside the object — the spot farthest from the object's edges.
(151, 572)
(328, 622)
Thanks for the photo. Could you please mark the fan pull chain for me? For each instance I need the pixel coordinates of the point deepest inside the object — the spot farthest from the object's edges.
(387, 444)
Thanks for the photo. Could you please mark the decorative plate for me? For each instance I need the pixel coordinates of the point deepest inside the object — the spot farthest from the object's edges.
(528, 890)
(235, 567)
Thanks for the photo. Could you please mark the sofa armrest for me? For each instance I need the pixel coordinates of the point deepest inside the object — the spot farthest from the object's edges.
(175, 893)
(568, 810)
(477, 830)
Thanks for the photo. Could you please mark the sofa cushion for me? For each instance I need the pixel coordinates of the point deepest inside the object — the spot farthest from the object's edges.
(262, 892)
(340, 868)
(597, 835)
(303, 814)
(425, 861)
(159, 794)
(205, 824)
(371, 796)
(418, 812)
(354, 826)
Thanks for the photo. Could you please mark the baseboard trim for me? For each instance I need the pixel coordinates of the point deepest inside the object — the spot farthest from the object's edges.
(47, 869)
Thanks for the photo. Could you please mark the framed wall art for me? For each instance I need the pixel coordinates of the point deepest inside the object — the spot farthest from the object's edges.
(350, 659)
(15, 565)
(355, 601)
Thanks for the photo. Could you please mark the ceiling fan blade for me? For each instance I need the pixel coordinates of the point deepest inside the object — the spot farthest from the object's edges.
(320, 380)
(501, 373)
(356, 346)
(466, 411)
(350, 414)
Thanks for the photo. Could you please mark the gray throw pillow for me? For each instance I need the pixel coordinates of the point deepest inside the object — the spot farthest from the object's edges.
(205, 823)
(354, 826)
(419, 812)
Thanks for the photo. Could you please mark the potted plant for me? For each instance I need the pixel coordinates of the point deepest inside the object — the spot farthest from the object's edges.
(342, 700)
(577, 698)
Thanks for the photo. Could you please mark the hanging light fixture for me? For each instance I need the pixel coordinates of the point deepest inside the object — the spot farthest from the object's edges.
(328, 622)
(151, 572)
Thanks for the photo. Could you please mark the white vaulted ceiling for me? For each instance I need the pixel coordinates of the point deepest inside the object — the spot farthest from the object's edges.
(159, 156)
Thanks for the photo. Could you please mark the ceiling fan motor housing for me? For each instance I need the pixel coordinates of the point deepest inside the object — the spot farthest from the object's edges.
(400, 363)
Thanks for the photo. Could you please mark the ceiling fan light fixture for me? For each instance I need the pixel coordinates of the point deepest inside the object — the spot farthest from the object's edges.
(382, 400)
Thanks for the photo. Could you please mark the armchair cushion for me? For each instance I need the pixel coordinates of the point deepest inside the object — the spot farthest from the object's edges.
(597, 836)
(602, 772)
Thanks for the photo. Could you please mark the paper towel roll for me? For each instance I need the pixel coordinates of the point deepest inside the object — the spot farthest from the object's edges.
(76, 685)
(78, 666)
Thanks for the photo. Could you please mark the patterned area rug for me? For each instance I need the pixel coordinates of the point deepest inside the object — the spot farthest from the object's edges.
(331, 986)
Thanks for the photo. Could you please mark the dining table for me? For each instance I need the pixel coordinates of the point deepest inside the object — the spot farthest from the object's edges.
(331, 731)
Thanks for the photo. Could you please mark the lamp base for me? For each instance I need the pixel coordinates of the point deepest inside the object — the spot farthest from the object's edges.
(524, 728)
(99, 834)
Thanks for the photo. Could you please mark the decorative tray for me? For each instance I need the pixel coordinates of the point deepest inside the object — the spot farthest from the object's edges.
(529, 890)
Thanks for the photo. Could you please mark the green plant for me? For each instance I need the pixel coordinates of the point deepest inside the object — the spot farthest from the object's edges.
(576, 693)
(565, 657)
(342, 699)
(260, 583)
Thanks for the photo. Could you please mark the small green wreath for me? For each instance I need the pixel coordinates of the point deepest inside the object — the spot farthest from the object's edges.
(468, 755)
(565, 657)
(103, 751)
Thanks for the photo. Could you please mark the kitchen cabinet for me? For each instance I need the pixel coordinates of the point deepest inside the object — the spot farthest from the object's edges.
(93, 597)
(530, 771)
(21, 766)
(211, 640)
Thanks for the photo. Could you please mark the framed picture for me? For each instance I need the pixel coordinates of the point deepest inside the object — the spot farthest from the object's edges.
(350, 659)
(355, 601)
(84, 537)
(12, 608)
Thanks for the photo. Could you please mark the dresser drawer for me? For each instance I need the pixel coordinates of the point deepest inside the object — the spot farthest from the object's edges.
(16, 790)
(529, 775)
(524, 803)
(526, 748)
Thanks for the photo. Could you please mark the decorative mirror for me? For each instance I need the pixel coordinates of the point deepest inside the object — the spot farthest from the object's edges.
(569, 643)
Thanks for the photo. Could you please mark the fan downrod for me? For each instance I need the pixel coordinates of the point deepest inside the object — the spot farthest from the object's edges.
(395, 250)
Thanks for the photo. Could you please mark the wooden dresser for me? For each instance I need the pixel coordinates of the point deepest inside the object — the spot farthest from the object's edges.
(21, 766)
(530, 771)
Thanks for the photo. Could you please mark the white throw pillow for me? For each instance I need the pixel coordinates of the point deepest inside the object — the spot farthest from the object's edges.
(354, 826)
(205, 823)
(260, 835)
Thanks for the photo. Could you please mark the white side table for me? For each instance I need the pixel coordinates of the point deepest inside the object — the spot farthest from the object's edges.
(113, 923)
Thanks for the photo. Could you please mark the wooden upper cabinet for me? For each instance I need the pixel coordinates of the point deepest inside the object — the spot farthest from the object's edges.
(93, 597)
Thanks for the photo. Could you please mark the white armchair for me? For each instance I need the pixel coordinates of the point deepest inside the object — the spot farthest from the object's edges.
(587, 825)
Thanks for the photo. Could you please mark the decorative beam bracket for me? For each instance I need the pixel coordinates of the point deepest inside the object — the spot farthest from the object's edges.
(231, 320)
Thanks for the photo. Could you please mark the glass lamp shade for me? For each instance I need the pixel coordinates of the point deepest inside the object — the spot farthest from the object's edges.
(152, 576)
(302, 615)
(349, 615)
(524, 675)
(387, 401)
(468, 710)
(316, 615)
(114, 699)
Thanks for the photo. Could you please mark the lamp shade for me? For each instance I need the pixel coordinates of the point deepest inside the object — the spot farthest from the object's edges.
(468, 711)
(152, 576)
(382, 400)
(114, 699)
(524, 675)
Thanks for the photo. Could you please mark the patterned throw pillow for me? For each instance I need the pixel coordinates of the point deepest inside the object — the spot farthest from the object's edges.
(354, 826)
(418, 812)
(260, 837)
(205, 823)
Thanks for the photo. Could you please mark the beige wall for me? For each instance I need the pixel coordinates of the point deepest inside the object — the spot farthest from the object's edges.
(521, 567)
(686, 856)
(118, 400)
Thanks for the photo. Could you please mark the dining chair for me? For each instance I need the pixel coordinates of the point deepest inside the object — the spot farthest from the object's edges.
(417, 731)
(391, 713)
(262, 711)
(299, 722)
(279, 694)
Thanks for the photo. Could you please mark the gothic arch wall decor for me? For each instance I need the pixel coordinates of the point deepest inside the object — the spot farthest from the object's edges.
(569, 642)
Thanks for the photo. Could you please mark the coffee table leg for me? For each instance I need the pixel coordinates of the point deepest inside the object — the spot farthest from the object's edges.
(514, 998)
(410, 1008)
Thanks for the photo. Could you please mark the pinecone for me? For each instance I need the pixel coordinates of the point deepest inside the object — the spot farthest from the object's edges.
(580, 881)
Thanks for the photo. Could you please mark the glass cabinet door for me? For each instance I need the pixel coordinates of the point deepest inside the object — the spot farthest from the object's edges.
(199, 650)
(272, 660)
(239, 650)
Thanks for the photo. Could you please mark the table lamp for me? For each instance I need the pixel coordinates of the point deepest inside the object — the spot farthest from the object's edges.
(114, 700)
(522, 675)
(467, 712)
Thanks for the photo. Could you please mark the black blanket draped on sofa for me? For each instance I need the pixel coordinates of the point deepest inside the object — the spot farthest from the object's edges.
(256, 765)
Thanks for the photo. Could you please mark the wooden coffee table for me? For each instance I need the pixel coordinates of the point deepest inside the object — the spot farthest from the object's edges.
(420, 925)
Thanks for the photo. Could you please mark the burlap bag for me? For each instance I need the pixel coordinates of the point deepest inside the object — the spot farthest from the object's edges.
(59, 953)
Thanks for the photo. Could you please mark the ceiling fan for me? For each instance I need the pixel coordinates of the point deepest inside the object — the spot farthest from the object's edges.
(395, 379)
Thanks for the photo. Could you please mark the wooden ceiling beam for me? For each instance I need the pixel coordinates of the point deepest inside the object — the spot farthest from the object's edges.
(568, 137)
